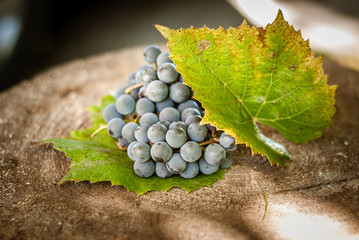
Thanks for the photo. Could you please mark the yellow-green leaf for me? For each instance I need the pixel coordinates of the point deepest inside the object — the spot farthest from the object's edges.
(247, 75)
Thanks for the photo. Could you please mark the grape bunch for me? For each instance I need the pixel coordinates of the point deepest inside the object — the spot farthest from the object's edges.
(156, 120)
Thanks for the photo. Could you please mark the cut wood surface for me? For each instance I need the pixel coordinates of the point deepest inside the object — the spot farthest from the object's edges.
(316, 197)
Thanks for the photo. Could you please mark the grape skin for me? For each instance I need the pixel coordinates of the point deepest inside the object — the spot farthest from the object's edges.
(141, 152)
(227, 141)
(161, 152)
(148, 75)
(193, 118)
(191, 170)
(165, 103)
(187, 104)
(228, 162)
(115, 126)
(145, 169)
(128, 131)
(148, 118)
(157, 133)
(178, 124)
(176, 137)
(144, 105)
(169, 114)
(129, 150)
(188, 112)
(197, 132)
(179, 92)
(167, 73)
(163, 58)
(110, 112)
(150, 53)
(157, 91)
(125, 104)
(207, 168)
(131, 79)
(162, 171)
(141, 133)
(176, 164)
(214, 154)
(191, 151)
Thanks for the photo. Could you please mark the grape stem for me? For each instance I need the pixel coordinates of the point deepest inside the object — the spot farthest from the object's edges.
(133, 87)
(102, 127)
(212, 140)
(122, 148)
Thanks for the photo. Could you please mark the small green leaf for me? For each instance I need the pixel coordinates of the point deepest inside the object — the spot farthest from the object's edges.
(247, 75)
(99, 159)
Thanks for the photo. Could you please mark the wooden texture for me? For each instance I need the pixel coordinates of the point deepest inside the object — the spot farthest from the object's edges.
(316, 196)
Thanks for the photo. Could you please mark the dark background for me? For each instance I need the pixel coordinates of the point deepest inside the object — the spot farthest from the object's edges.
(57, 31)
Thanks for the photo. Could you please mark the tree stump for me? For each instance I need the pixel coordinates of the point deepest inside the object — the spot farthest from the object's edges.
(316, 197)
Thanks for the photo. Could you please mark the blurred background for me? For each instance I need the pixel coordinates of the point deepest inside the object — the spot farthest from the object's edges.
(38, 34)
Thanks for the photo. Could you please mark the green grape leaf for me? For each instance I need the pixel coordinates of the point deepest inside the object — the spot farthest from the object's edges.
(247, 75)
(98, 158)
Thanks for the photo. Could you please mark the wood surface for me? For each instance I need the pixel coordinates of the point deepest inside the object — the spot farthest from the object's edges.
(316, 197)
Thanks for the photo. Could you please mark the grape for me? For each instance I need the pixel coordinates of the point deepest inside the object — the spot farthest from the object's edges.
(128, 131)
(169, 114)
(163, 58)
(180, 79)
(191, 170)
(165, 103)
(228, 162)
(120, 92)
(178, 124)
(110, 112)
(138, 75)
(214, 154)
(114, 127)
(167, 73)
(227, 141)
(135, 94)
(125, 104)
(148, 75)
(193, 118)
(141, 152)
(207, 168)
(129, 150)
(197, 132)
(148, 118)
(176, 137)
(162, 171)
(187, 104)
(161, 152)
(150, 53)
(157, 91)
(145, 169)
(188, 112)
(165, 123)
(176, 164)
(144, 105)
(131, 79)
(179, 92)
(191, 151)
(122, 142)
(141, 133)
(210, 127)
(142, 92)
(157, 133)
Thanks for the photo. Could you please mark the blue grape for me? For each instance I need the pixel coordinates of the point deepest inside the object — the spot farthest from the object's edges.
(227, 141)
(188, 112)
(176, 164)
(129, 150)
(193, 118)
(128, 131)
(150, 53)
(167, 73)
(179, 92)
(161, 152)
(169, 114)
(148, 75)
(176, 137)
(210, 127)
(110, 112)
(135, 93)
(165, 103)
(142, 92)
(191, 151)
(191, 170)
(163, 58)
(165, 123)
(125, 104)
(141, 133)
(138, 75)
(187, 104)
(123, 143)
(141, 152)
(157, 133)
(162, 171)
(179, 124)
(214, 154)
(131, 79)
(157, 91)
(197, 132)
(114, 127)
(145, 169)
(120, 92)
(207, 168)
(144, 105)
(148, 118)
(228, 162)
